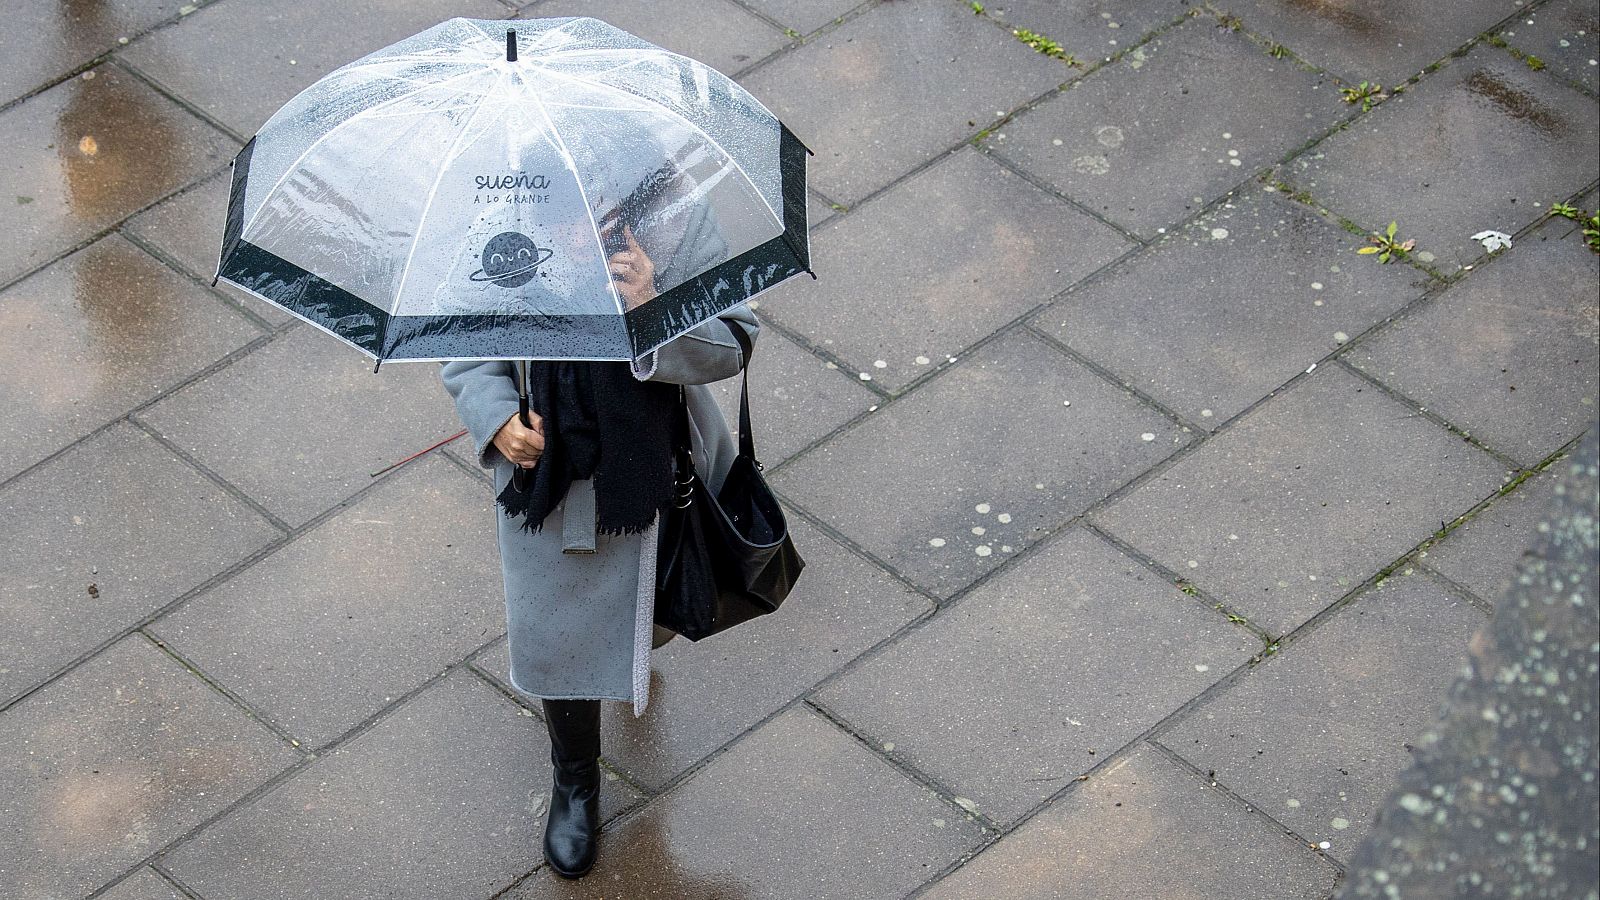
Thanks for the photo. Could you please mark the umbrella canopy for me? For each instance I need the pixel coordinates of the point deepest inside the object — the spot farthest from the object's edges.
(461, 194)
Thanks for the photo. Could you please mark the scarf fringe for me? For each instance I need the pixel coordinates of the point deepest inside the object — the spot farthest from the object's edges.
(514, 504)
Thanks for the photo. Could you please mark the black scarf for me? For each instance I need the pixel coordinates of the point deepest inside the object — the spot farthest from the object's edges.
(599, 422)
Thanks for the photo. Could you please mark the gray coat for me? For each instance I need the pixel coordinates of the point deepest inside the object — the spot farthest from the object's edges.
(579, 625)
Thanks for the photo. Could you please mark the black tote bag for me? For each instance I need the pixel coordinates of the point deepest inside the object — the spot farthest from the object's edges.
(726, 559)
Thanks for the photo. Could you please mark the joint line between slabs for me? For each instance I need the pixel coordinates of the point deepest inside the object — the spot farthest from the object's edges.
(306, 760)
(178, 99)
(170, 262)
(1212, 783)
(946, 793)
(1418, 409)
(232, 697)
(227, 486)
(221, 577)
(209, 369)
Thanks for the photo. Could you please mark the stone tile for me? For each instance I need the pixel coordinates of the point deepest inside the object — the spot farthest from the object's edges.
(966, 243)
(1482, 553)
(1511, 353)
(443, 798)
(1123, 835)
(366, 606)
(1316, 735)
(1565, 36)
(296, 464)
(986, 445)
(85, 154)
(996, 658)
(102, 537)
(102, 331)
(1151, 138)
(115, 760)
(1384, 42)
(796, 802)
(719, 33)
(704, 694)
(1224, 310)
(240, 62)
(1304, 498)
(62, 37)
(1088, 29)
(1474, 146)
(794, 397)
(144, 884)
(804, 16)
(892, 88)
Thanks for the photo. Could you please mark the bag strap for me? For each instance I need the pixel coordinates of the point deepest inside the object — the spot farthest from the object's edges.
(747, 441)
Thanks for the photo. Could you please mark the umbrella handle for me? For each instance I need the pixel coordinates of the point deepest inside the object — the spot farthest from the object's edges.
(519, 374)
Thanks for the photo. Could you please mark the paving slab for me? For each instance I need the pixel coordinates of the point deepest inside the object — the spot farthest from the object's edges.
(804, 16)
(980, 462)
(364, 607)
(1304, 498)
(302, 423)
(1039, 674)
(101, 332)
(1143, 828)
(1088, 29)
(704, 694)
(239, 62)
(444, 797)
(1315, 736)
(1565, 36)
(87, 153)
(115, 760)
(1481, 554)
(1151, 138)
(719, 33)
(101, 537)
(144, 884)
(1385, 42)
(1511, 353)
(1481, 144)
(795, 803)
(187, 227)
(892, 88)
(62, 37)
(965, 244)
(795, 397)
(1224, 310)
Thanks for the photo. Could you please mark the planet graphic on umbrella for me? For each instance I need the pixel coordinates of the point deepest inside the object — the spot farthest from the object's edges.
(511, 260)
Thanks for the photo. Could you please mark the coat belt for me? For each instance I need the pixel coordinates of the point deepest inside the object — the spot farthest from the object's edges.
(578, 518)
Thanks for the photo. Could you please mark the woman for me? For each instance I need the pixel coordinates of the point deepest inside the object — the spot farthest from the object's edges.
(580, 604)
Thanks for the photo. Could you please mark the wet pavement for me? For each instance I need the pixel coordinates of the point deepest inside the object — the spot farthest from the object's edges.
(1148, 523)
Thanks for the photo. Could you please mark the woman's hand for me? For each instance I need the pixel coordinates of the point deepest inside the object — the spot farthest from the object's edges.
(634, 272)
(520, 444)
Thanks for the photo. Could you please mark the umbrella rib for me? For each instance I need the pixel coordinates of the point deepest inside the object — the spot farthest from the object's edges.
(335, 130)
(577, 178)
(405, 271)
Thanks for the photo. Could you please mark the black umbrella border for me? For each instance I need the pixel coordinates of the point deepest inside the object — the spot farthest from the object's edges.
(384, 337)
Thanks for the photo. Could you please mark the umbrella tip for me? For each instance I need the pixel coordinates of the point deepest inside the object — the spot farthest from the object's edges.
(511, 45)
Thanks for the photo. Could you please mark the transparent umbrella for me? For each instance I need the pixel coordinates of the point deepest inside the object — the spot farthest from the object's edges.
(465, 193)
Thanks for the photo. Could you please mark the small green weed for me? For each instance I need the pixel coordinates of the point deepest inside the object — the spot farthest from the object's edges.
(1386, 246)
(1366, 93)
(1277, 51)
(1534, 62)
(1040, 43)
(1590, 222)
(977, 8)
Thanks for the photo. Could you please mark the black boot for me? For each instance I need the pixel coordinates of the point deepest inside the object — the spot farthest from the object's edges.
(569, 830)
